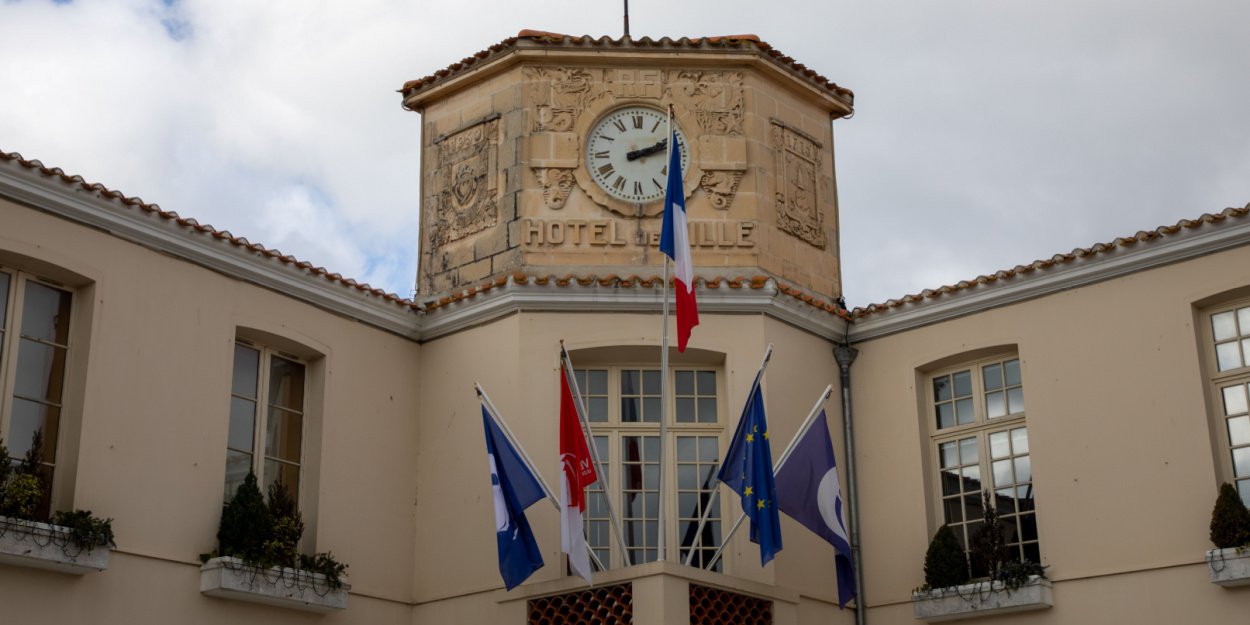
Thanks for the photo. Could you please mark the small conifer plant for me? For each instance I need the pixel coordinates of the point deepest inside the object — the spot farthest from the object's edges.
(1230, 521)
(246, 524)
(945, 564)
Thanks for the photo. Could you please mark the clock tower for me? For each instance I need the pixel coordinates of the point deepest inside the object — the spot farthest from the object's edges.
(546, 155)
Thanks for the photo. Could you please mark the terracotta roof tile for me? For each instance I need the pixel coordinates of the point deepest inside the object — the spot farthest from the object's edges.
(1142, 236)
(568, 41)
(195, 226)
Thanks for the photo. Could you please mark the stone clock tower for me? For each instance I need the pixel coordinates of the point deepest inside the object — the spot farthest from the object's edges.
(545, 156)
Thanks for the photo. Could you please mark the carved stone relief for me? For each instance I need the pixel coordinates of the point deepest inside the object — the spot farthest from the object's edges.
(798, 166)
(715, 97)
(557, 182)
(464, 181)
(720, 185)
(560, 94)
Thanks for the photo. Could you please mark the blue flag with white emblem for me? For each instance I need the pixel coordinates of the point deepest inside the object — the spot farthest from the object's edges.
(808, 490)
(515, 489)
(748, 470)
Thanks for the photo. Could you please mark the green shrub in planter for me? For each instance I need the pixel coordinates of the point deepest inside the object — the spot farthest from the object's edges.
(945, 564)
(1230, 521)
(86, 529)
(246, 524)
(282, 548)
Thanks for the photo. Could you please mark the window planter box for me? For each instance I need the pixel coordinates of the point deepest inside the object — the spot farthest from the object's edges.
(230, 578)
(1228, 567)
(49, 547)
(980, 599)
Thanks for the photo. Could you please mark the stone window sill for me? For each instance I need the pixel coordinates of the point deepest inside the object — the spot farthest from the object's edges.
(49, 547)
(980, 599)
(230, 578)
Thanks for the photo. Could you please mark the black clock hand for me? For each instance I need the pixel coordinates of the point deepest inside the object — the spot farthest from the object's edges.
(637, 154)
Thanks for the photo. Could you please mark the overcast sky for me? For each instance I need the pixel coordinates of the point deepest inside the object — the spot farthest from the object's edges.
(988, 133)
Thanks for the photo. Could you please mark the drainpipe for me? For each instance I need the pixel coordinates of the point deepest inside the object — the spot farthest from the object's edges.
(844, 354)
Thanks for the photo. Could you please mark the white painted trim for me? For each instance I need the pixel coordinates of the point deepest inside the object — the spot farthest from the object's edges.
(1168, 249)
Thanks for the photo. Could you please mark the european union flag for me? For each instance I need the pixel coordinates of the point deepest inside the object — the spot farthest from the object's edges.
(748, 470)
(515, 489)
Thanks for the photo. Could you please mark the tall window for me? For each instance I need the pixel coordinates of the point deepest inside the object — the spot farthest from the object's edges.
(266, 418)
(1228, 342)
(981, 444)
(623, 405)
(34, 349)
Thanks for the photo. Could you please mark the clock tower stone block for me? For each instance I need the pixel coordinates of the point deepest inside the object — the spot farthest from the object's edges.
(509, 137)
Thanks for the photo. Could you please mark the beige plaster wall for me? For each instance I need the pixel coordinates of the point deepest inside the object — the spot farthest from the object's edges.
(154, 405)
(1120, 442)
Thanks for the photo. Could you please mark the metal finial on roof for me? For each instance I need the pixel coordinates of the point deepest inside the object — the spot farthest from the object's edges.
(627, 19)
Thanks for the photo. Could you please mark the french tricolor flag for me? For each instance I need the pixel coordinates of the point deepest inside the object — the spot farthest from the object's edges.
(675, 243)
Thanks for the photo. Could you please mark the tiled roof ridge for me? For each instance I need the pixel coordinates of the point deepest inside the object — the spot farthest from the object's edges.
(1058, 259)
(545, 37)
(205, 229)
(755, 282)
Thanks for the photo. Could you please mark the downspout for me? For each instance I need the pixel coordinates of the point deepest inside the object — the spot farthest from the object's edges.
(844, 354)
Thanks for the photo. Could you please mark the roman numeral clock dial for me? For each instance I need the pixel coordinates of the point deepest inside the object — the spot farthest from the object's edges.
(627, 154)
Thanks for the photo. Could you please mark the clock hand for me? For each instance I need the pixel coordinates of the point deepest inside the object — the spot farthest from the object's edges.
(647, 151)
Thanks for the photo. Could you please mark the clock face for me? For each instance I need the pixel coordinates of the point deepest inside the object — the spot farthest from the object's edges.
(627, 154)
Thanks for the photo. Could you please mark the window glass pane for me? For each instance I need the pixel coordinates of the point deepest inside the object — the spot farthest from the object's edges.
(963, 384)
(1228, 355)
(688, 505)
(40, 371)
(708, 446)
(972, 479)
(1011, 371)
(1234, 399)
(1223, 326)
(238, 465)
(1015, 400)
(242, 424)
(949, 454)
(685, 382)
(963, 411)
(707, 410)
(1032, 552)
(1239, 430)
(995, 404)
(707, 382)
(651, 448)
(286, 384)
(651, 409)
(687, 476)
(651, 382)
(598, 409)
(287, 473)
(1024, 469)
(951, 484)
(650, 476)
(952, 511)
(1243, 320)
(1245, 350)
(945, 415)
(993, 376)
(687, 450)
(26, 417)
(1000, 445)
(1002, 473)
(1024, 497)
(246, 364)
(284, 431)
(1243, 489)
(1020, 440)
(598, 382)
(1241, 462)
(45, 314)
(630, 382)
(4, 298)
(968, 451)
(631, 409)
(942, 388)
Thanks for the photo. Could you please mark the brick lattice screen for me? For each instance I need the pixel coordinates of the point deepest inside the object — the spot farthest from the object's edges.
(712, 606)
(609, 605)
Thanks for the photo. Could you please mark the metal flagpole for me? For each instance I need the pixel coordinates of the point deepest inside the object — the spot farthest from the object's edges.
(785, 455)
(768, 355)
(507, 432)
(583, 414)
(660, 552)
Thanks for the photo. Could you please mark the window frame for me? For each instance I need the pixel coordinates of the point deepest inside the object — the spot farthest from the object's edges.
(12, 311)
(265, 355)
(980, 429)
(1216, 381)
(615, 430)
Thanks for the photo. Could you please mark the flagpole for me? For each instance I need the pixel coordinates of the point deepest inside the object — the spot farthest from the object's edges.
(785, 455)
(567, 364)
(507, 432)
(661, 554)
(759, 375)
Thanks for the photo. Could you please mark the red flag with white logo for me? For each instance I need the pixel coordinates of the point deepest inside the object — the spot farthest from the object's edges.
(577, 473)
